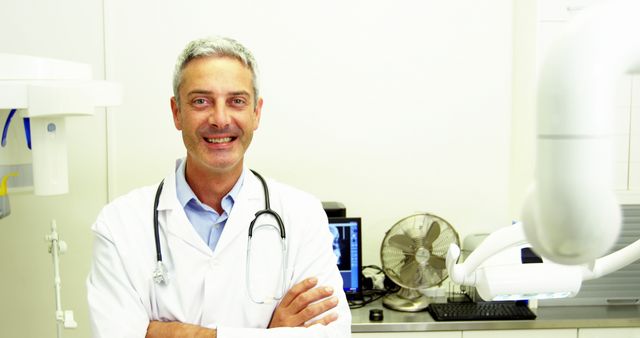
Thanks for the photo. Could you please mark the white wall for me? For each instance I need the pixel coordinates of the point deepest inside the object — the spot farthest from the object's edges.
(523, 116)
(390, 107)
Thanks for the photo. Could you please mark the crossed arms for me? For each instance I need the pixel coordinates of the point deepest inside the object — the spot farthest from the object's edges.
(298, 307)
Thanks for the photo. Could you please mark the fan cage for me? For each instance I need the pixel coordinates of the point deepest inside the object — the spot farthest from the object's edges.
(410, 268)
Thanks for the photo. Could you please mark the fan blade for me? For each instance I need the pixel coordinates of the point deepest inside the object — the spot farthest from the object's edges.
(402, 242)
(432, 234)
(419, 278)
(437, 262)
(409, 272)
(434, 276)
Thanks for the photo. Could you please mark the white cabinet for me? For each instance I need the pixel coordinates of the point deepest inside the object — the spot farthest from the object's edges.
(546, 333)
(428, 334)
(631, 332)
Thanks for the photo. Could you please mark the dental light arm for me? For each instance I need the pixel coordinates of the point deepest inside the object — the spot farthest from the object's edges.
(497, 278)
(613, 262)
(507, 278)
(465, 274)
(571, 215)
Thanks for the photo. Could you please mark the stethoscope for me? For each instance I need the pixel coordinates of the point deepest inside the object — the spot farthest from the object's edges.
(160, 275)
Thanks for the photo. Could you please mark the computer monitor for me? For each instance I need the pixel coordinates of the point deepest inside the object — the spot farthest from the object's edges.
(347, 246)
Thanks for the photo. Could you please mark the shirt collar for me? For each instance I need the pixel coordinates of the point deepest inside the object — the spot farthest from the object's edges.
(185, 193)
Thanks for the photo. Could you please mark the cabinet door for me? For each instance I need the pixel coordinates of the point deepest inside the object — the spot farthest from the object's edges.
(427, 334)
(627, 332)
(546, 333)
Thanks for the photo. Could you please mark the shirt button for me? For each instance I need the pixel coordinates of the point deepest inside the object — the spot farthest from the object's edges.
(214, 262)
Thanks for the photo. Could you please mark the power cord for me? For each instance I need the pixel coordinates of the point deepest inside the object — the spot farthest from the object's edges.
(370, 292)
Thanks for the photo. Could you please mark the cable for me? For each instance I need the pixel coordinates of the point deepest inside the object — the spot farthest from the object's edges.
(368, 296)
(373, 294)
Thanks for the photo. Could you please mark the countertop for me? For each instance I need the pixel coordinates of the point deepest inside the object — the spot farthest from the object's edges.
(548, 317)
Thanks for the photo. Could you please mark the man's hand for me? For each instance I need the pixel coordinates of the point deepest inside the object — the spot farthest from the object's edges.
(158, 329)
(296, 307)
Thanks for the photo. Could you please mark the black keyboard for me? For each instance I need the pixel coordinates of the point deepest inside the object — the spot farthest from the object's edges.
(480, 311)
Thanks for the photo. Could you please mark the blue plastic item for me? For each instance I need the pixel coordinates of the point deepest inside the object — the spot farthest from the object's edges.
(27, 130)
(5, 130)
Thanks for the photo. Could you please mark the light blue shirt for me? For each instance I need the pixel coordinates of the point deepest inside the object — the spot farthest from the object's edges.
(205, 220)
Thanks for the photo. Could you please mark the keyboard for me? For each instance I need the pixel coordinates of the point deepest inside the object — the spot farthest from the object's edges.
(480, 311)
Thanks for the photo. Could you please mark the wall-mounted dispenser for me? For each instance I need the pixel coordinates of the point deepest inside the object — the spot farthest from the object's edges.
(47, 91)
(5, 207)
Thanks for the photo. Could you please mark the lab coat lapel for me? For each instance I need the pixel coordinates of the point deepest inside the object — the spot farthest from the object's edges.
(175, 220)
(244, 208)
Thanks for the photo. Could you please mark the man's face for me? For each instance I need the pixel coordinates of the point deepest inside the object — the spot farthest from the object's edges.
(216, 114)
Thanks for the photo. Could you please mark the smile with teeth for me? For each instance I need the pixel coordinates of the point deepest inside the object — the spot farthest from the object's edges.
(219, 140)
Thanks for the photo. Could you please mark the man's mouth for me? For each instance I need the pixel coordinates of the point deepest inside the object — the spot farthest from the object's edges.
(219, 140)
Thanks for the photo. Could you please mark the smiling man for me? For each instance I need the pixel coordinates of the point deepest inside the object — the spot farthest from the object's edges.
(197, 281)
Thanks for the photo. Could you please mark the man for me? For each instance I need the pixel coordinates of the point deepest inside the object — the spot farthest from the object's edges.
(204, 209)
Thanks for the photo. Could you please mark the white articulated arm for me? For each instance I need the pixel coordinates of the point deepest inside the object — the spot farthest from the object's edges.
(571, 215)
(506, 277)
(501, 239)
(612, 262)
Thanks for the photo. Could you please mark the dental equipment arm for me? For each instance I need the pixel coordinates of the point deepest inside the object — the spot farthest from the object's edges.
(571, 215)
(497, 279)
(495, 270)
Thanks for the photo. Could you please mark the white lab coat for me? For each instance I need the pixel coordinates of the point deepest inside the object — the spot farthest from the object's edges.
(207, 288)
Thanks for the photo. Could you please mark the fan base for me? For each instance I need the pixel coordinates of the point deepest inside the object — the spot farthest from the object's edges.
(406, 300)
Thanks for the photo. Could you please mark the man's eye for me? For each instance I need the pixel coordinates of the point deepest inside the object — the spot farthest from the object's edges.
(199, 101)
(238, 101)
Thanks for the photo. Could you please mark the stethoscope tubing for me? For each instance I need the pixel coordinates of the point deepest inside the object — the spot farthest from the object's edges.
(155, 222)
(160, 274)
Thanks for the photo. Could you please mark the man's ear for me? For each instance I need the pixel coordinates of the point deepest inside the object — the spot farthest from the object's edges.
(258, 113)
(175, 110)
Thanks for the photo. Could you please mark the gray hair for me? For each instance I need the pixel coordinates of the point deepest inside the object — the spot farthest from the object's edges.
(218, 47)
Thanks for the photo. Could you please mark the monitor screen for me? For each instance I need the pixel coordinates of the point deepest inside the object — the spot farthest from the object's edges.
(347, 247)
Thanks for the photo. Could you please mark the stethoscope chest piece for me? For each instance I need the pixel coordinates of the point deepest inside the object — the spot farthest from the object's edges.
(160, 275)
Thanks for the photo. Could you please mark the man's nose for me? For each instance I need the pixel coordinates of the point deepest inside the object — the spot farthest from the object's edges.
(219, 117)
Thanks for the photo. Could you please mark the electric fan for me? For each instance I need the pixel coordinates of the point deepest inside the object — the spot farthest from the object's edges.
(413, 256)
